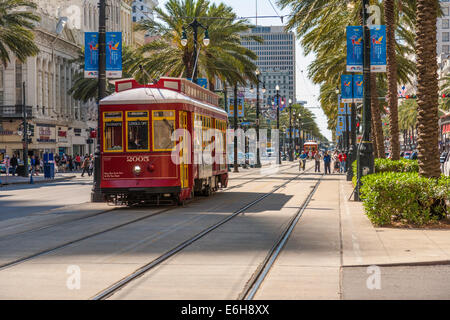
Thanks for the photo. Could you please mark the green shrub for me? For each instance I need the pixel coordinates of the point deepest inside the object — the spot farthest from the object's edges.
(405, 197)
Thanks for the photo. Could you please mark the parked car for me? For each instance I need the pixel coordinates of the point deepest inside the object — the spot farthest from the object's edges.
(407, 154)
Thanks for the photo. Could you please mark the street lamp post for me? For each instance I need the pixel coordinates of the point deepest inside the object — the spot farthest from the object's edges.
(195, 25)
(365, 150)
(291, 156)
(277, 88)
(236, 166)
(96, 194)
(258, 156)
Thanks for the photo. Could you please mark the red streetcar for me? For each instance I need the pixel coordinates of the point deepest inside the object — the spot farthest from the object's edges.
(138, 149)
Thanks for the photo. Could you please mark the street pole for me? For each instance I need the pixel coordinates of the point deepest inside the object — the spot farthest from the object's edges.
(291, 156)
(258, 157)
(365, 150)
(195, 26)
(278, 124)
(96, 194)
(25, 132)
(236, 167)
(351, 153)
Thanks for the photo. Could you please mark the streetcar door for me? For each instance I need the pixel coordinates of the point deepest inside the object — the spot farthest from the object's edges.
(184, 168)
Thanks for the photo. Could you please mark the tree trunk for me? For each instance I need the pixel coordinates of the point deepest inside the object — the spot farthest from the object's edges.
(389, 11)
(377, 127)
(374, 140)
(427, 89)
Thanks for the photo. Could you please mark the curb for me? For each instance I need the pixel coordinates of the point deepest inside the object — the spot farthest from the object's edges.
(39, 181)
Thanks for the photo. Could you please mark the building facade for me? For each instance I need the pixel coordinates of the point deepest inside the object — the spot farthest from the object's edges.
(60, 123)
(276, 59)
(443, 30)
(143, 9)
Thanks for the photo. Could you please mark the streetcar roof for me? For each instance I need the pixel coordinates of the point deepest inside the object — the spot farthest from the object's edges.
(153, 96)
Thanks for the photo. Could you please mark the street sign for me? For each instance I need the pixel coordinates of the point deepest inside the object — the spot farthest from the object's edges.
(378, 48)
(114, 54)
(354, 49)
(91, 54)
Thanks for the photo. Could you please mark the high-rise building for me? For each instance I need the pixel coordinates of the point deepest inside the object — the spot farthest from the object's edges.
(276, 59)
(143, 9)
(443, 30)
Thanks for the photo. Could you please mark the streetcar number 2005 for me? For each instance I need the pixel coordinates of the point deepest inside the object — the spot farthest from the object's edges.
(138, 159)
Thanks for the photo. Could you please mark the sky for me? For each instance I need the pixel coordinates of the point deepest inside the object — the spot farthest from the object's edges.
(306, 90)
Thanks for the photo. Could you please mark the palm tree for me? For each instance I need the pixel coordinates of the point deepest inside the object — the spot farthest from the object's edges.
(427, 88)
(15, 30)
(389, 11)
(224, 57)
(321, 27)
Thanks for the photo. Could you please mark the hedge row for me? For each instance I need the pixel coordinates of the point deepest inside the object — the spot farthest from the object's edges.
(405, 197)
(388, 165)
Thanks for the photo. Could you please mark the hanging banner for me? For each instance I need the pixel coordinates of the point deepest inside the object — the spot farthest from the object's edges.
(91, 55)
(114, 54)
(358, 88)
(346, 88)
(240, 105)
(354, 49)
(341, 109)
(341, 123)
(378, 58)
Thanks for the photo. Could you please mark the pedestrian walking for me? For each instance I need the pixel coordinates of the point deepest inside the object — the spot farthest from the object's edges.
(77, 162)
(327, 162)
(14, 163)
(85, 166)
(317, 158)
(302, 161)
(91, 165)
(336, 163)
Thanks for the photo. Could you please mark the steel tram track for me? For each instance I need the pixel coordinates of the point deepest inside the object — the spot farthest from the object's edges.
(111, 290)
(66, 244)
(262, 271)
(57, 224)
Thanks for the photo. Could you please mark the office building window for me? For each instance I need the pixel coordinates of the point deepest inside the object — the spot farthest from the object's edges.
(445, 24)
(446, 49)
(445, 11)
(445, 36)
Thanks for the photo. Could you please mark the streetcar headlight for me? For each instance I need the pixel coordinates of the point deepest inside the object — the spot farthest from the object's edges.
(137, 170)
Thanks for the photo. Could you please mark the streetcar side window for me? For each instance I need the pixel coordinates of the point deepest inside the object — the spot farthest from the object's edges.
(112, 135)
(163, 127)
(137, 131)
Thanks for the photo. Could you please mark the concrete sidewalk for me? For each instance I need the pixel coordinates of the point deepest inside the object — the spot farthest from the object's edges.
(334, 243)
(13, 180)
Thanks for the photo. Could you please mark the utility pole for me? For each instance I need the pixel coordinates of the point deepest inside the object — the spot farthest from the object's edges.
(365, 150)
(25, 132)
(236, 166)
(96, 194)
(278, 123)
(291, 156)
(258, 157)
(351, 153)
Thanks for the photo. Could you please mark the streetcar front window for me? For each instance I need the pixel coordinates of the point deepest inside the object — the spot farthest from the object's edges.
(137, 131)
(163, 127)
(113, 131)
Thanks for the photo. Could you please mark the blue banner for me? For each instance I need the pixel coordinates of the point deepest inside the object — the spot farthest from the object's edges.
(91, 54)
(378, 48)
(346, 88)
(355, 49)
(341, 109)
(240, 105)
(114, 54)
(341, 123)
(358, 88)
